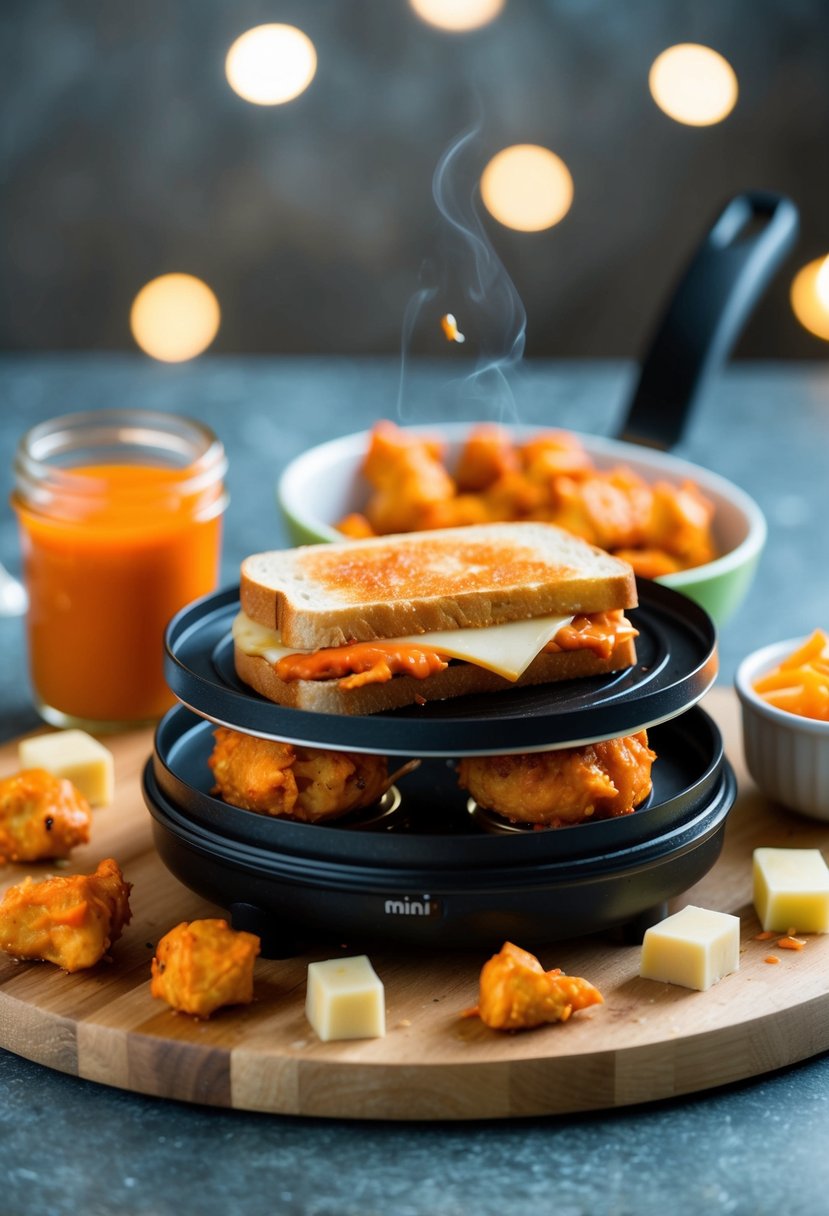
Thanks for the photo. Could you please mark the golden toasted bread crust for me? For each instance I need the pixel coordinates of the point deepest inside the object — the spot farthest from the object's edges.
(458, 578)
(458, 679)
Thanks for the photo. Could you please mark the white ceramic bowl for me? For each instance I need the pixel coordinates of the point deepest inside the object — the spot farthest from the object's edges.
(324, 484)
(786, 754)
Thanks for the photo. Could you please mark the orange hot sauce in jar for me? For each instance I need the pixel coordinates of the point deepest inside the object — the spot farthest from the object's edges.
(120, 515)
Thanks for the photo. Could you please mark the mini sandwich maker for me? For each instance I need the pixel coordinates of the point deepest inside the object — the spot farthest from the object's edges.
(426, 866)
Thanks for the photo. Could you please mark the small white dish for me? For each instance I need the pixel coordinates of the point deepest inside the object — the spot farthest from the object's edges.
(786, 754)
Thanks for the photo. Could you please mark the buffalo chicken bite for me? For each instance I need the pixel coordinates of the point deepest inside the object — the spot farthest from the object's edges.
(566, 786)
(204, 964)
(304, 783)
(70, 920)
(516, 993)
(41, 816)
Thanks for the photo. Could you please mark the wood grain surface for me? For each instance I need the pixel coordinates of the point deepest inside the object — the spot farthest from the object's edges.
(649, 1040)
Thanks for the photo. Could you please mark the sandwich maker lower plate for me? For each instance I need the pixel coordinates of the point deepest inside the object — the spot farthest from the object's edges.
(428, 873)
(676, 665)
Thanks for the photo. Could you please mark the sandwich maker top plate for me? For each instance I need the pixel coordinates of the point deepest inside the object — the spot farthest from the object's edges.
(676, 664)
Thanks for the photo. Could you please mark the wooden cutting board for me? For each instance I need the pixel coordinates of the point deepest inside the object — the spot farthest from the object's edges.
(648, 1040)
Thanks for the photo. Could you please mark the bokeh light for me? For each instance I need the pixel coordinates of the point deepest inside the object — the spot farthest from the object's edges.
(271, 64)
(693, 84)
(174, 317)
(810, 297)
(822, 283)
(457, 15)
(527, 187)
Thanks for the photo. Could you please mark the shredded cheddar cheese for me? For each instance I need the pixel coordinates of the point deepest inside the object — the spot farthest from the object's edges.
(791, 943)
(800, 683)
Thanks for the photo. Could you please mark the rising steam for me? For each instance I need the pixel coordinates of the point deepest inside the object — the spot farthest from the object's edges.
(476, 286)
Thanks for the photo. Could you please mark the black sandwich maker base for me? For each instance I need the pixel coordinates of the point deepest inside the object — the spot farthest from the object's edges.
(430, 875)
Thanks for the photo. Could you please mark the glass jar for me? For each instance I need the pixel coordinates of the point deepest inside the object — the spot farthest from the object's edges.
(120, 515)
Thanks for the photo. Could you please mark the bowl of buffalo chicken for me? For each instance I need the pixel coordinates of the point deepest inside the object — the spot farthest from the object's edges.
(672, 520)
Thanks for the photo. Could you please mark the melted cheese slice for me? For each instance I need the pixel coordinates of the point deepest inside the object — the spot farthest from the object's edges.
(505, 649)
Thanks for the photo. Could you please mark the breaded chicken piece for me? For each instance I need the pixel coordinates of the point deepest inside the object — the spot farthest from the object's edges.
(570, 785)
(41, 816)
(606, 509)
(204, 964)
(516, 993)
(487, 455)
(302, 783)
(408, 479)
(70, 920)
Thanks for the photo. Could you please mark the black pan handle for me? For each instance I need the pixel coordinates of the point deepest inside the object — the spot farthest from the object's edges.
(711, 304)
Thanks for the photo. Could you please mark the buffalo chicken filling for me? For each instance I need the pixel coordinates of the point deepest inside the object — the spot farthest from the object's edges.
(362, 663)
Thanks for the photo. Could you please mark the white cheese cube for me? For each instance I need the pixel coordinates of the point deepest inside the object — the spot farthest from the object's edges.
(791, 890)
(695, 948)
(76, 755)
(345, 999)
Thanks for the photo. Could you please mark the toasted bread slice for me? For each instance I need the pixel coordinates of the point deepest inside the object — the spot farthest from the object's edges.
(458, 679)
(419, 582)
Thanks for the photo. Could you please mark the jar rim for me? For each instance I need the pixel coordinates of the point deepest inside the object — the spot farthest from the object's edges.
(194, 447)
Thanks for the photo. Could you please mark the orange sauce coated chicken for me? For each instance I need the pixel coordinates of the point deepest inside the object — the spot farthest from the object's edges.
(41, 816)
(204, 964)
(70, 920)
(516, 993)
(566, 786)
(303, 783)
(658, 527)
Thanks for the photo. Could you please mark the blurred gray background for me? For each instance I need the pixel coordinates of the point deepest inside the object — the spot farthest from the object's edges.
(124, 155)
